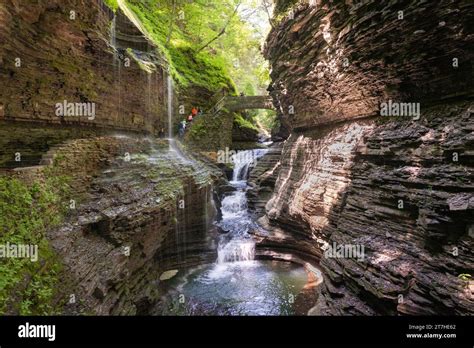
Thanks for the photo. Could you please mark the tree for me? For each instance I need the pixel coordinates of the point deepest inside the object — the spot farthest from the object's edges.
(223, 30)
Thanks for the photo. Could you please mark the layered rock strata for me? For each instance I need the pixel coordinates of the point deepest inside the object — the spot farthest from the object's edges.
(410, 205)
(339, 60)
(262, 180)
(314, 171)
(140, 210)
(52, 50)
(401, 190)
(397, 192)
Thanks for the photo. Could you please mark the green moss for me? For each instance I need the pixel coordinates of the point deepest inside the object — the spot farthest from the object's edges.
(145, 66)
(113, 4)
(170, 188)
(211, 133)
(188, 67)
(243, 123)
(198, 130)
(168, 179)
(26, 212)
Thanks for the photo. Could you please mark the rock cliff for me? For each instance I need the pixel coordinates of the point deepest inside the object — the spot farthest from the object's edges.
(135, 219)
(401, 188)
(410, 204)
(339, 60)
(51, 50)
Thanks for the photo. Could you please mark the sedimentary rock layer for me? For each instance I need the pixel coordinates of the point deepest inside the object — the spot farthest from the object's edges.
(402, 190)
(410, 204)
(139, 212)
(339, 60)
(314, 172)
(74, 51)
(262, 180)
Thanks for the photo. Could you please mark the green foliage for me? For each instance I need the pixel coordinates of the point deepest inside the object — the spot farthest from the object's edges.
(26, 211)
(112, 4)
(267, 119)
(199, 130)
(243, 123)
(187, 34)
(188, 66)
(211, 133)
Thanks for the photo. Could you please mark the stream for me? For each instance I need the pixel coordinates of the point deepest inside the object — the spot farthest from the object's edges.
(236, 284)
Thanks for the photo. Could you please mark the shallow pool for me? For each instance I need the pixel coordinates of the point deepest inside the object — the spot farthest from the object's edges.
(235, 288)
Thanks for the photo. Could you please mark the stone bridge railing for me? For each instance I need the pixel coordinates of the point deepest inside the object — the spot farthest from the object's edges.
(237, 103)
(248, 102)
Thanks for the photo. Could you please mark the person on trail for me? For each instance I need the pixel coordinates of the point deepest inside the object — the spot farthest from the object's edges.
(194, 111)
(190, 118)
(182, 128)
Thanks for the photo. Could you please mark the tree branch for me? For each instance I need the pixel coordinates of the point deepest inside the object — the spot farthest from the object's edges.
(222, 32)
(268, 13)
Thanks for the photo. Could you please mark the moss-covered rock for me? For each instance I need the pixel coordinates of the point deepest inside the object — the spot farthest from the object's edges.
(28, 286)
(191, 68)
(244, 130)
(211, 133)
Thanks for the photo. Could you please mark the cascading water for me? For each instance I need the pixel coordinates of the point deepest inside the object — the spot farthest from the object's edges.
(113, 38)
(237, 244)
(237, 284)
(116, 62)
(170, 106)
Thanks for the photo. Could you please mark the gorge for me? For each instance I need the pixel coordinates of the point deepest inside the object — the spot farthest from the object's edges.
(330, 208)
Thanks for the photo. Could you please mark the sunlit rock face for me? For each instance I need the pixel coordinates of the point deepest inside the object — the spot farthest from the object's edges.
(262, 179)
(314, 174)
(410, 204)
(396, 189)
(339, 60)
(401, 191)
(73, 51)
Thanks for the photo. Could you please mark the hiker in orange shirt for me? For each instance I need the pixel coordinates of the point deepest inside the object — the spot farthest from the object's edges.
(194, 111)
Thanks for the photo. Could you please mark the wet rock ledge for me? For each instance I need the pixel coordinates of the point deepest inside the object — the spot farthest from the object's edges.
(401, 187)
(135, 210)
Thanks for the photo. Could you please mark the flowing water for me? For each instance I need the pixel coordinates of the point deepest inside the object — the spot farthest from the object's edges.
(113, 38)
(170, 106)
(116, 63)
(237, 244)
(236, 284)
(173, 146)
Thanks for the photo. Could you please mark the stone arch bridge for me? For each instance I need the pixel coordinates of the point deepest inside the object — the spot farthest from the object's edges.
(238, 103)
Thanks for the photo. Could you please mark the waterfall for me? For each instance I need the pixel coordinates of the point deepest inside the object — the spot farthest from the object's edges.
(117, 63)
(235, 251)
(237, 244)
(170, 106)
(243, 161)
(113, 38)
(149, 93)
(113, 32)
